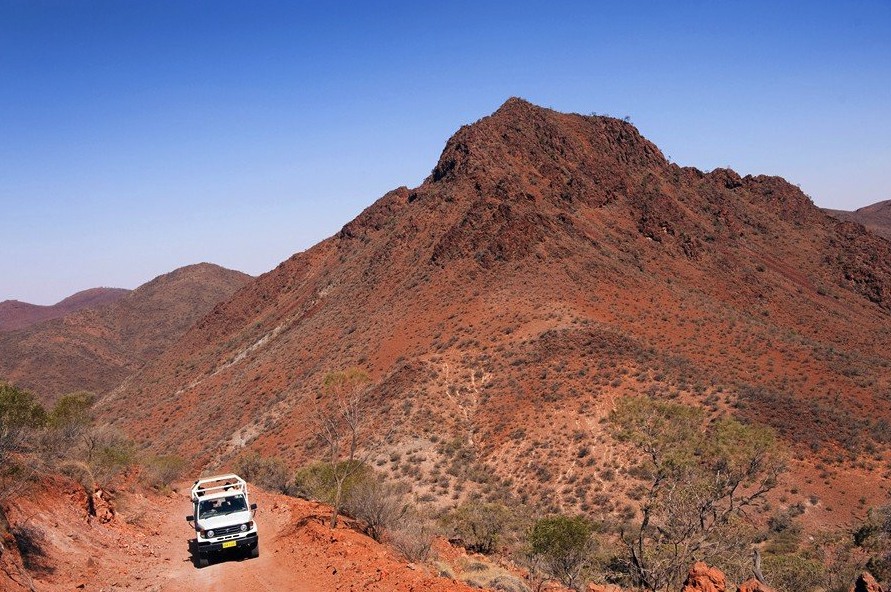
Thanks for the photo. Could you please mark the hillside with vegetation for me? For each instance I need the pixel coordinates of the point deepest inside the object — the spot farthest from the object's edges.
(562, 360)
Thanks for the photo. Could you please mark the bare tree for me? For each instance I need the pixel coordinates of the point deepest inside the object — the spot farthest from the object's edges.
(344, 427)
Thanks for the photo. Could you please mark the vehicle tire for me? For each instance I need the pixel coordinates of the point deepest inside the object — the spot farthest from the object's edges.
(255, 551)
(203, 561)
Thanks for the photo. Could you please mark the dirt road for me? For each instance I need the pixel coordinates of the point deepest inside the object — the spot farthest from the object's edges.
(229, 573)
(142, 545)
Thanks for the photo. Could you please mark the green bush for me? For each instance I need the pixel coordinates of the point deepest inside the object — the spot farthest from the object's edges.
(874, 536)
(68, 422)
(317, 481)
(793, 572)
(562, 546)
(378, 504)
(703, 475)
(73, 409)
(20, 414)
(108, 452)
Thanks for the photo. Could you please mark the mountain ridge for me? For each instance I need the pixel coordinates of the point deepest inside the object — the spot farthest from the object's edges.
(548, 265)
(875, 217)
(94, 348)
(15, 314)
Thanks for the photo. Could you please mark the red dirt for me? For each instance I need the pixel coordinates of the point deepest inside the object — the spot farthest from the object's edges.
(145, 547)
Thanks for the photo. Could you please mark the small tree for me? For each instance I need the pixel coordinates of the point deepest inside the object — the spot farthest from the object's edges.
(344, 427)
(69, 422)
(874, 535)
(702, 480)
(316, 481)
(20, 415)
(562, 546)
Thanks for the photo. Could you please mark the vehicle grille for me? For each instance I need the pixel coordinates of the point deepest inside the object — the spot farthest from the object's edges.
(217, 532)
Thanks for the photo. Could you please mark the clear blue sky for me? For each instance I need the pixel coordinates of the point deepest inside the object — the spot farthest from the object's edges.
(140, 136)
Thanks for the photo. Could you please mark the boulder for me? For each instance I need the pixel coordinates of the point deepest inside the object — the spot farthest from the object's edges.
(702, 578)
(754, 585)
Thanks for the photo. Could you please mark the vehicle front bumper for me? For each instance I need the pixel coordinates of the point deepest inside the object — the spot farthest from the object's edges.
(248, 541)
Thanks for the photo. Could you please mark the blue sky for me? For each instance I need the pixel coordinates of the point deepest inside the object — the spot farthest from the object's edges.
(137, 137)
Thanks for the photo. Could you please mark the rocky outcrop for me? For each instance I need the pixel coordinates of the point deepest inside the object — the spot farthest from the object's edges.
(702, 578)
(866, 583)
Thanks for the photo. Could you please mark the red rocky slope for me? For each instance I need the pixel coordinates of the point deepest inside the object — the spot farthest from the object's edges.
(551, 263)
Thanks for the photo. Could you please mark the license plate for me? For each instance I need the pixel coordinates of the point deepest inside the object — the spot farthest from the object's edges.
(228, 544)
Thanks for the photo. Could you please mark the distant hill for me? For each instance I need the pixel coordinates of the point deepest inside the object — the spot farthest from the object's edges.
(876, 217)
(96, 347)
(18, 315)
(550, 264)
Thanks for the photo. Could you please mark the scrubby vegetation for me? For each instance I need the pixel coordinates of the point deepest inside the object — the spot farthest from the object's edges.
(703, 479)
(67, 439)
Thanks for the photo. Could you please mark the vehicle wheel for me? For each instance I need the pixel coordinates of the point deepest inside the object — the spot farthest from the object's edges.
(255, 551)
(203, 561)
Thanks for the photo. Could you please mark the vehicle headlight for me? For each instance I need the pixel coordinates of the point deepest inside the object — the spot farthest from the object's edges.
(244, 527)
(209, 534)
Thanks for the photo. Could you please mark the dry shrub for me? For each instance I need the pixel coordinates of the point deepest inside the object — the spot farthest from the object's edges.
(481, 574)
(413, 538)
(378, 504)
(270, 472)
(161, 471)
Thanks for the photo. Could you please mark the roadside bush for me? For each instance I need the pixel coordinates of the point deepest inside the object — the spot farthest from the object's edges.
(412, 537)
(68, 422)
(508, 583)
(704, 475)
(378, 504)
(72, 411)
(481, 574)
(317, 481)
(874, 536)
(20, 415)
(108, 452)
(161, 471)
(270, 472)
(794, 572)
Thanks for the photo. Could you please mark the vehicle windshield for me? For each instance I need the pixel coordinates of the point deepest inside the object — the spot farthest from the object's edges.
(221, 506)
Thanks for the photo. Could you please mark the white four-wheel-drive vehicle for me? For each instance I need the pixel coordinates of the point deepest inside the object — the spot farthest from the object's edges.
(223, 518)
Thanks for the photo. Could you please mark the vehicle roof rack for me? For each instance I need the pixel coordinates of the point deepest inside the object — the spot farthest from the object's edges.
(218, 484)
